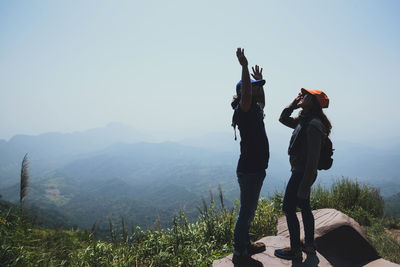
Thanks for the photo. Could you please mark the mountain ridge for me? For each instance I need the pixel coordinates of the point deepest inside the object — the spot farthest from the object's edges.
(169, 174)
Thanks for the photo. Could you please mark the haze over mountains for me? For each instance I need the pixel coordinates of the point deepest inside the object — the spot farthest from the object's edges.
(118, 171)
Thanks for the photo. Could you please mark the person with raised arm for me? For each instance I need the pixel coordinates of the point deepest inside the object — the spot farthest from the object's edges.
(248, 105)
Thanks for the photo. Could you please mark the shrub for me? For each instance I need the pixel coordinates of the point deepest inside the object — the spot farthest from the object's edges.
(184, 243)
(361, 202)
(265, 219)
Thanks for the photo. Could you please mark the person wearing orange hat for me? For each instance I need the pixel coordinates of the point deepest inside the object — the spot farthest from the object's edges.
(311, 128)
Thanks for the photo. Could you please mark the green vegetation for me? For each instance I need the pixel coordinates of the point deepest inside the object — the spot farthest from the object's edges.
(186, 244)
(364, 204)
(361, 202)
(183, 244)
(392, 205)
(386, 245)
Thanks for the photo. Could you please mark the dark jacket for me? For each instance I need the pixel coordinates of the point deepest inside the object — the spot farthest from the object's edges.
(254, 147)
(305, 146)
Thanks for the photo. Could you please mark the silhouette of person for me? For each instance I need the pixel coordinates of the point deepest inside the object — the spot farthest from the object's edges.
(311, 128)
(248, 107)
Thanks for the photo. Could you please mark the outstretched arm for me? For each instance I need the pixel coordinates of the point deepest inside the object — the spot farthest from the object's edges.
(246, 91)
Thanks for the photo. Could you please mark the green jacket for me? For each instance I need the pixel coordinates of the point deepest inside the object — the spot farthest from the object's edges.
(305, 147)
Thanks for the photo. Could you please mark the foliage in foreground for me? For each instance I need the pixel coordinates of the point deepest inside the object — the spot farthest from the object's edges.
(364, 204)
(361, 202)
(392, 205)
(386, 245)
(185, 243)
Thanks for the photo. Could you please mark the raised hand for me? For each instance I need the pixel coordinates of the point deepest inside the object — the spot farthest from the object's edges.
(297, 100)
(299, 96)
(241, 57)
(257, 72)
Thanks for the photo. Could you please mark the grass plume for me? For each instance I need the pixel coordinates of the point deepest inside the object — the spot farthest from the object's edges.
(24, 180)
(221, 197)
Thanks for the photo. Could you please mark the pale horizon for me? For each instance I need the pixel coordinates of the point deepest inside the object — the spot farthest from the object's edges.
(170, 67)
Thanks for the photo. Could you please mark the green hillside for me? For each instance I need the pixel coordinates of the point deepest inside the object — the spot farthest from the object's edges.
(108, 173)
(23, 243)
(142, 182)
(392, 207)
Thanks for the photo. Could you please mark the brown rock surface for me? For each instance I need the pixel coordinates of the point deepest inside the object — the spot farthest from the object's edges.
(267, 258)
(340, 240)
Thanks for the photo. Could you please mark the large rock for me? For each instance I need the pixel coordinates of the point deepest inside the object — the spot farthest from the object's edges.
(267, 258)
(340, 240)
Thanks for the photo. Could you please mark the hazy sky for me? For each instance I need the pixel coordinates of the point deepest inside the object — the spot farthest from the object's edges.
(170, 66)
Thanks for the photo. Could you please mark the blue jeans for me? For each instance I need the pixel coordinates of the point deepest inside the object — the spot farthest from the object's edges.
(290, 203)
(250, 186)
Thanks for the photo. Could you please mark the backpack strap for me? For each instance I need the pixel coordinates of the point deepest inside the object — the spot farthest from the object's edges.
(318, 124)
(235, 118)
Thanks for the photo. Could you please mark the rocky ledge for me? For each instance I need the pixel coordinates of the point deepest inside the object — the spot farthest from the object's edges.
(340, 242)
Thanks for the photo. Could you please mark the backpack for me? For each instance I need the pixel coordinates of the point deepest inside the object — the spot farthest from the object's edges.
(325, 157)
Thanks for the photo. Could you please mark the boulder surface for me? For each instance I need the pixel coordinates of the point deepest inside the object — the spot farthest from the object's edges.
(340, 242)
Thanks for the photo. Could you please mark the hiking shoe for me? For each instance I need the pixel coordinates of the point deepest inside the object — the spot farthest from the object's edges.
(308, 248)
(255, 247)
(289, 254)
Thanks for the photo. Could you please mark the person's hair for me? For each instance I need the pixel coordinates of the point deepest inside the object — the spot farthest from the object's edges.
(317, 111)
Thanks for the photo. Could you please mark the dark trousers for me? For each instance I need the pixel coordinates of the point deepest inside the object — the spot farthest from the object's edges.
(250, 187)
(290, 203)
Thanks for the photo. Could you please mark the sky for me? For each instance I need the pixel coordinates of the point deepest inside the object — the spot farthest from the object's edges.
(169, 67)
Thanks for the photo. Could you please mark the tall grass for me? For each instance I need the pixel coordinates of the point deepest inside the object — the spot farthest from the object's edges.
(386, 245)
(184, 243)
(361, 202)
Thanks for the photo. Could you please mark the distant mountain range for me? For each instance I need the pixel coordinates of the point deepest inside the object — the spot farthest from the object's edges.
(118, 171)
(52, 150)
